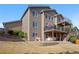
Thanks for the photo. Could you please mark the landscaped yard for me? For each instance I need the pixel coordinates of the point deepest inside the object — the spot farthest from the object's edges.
(37, 47)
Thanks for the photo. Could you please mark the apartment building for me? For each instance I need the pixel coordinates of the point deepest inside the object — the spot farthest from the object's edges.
(43, 22)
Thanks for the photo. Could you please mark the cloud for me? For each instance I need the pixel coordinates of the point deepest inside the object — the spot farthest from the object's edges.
(1, 25)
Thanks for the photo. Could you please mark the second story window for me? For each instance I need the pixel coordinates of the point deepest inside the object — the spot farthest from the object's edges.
(34, 13)
(34, 24)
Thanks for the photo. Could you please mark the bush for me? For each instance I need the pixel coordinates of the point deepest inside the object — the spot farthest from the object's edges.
(14, 32)
(18, 33)
(10, 32)
(22, 34)
(72, 39)
(2, 32)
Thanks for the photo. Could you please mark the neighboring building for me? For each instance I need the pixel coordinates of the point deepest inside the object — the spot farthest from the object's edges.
(75, 30)
(41, 22)
(1, 29)
(13, 25)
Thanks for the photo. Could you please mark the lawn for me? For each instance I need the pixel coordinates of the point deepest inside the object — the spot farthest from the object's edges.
(8, 47)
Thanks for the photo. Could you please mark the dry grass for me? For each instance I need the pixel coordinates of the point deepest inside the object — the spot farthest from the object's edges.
(36, 47)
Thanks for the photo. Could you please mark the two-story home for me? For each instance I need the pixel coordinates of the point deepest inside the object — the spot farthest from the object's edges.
(43, 22)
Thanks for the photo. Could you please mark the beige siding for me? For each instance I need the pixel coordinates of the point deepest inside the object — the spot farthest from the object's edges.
(37, 19)
(25, 23)
(42, 25)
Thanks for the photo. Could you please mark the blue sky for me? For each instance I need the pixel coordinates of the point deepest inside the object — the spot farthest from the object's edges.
(12, 12)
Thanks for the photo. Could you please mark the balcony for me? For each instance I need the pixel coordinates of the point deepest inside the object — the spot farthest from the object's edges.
(55, 28)
(67, 20)
(64, 21)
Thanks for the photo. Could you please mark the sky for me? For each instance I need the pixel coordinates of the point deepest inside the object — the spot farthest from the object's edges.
(12, 12)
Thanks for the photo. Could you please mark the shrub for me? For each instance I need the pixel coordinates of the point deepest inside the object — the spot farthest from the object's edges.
(72, 39)
(14, 32)
(22, 34)
(18, 33)
(10, 32)
(2, 32)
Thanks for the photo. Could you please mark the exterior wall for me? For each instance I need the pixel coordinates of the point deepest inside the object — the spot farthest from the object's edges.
(59, 17)
(55, 18)
(42, 25)
(38, 20)
(35, 19)
(26, 24)
(51, 14)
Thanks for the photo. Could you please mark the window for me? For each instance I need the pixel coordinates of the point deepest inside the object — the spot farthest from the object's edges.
(49, 17)
(46, 16)
(35, 25)
(34, 34)
(52, 18)
(59, 20)
(34, 13)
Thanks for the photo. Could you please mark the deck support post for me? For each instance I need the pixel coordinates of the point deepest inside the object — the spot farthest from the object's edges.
(56, 37)
(53, 35)
(60, 36)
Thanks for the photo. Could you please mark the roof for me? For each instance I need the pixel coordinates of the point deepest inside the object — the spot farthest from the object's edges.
(59, 15)
(49, 10)
(30, 6)
(11, 22)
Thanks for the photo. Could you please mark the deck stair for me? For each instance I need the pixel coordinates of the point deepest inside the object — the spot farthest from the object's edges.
(67, 37)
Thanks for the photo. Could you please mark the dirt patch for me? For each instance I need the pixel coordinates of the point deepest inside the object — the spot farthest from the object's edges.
(7, 47)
